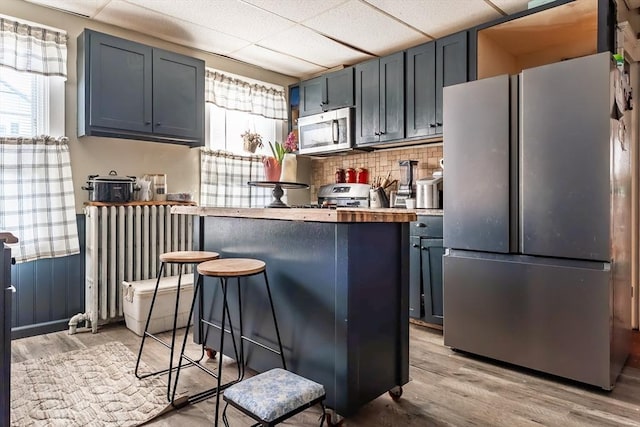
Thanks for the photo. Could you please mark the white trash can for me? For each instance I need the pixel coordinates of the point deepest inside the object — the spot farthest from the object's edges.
(136, 300)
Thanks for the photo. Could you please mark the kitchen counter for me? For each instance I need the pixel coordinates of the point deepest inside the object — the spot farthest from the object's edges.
(429, 212)
(339, 280)
(339, 215)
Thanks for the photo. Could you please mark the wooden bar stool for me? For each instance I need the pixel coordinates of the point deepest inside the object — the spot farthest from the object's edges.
(224, 269)
(182, 258)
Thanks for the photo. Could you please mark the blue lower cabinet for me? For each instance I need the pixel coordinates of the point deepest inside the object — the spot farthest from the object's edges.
(425, 275)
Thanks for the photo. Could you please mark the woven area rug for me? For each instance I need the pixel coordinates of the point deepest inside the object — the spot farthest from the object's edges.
(90, 387)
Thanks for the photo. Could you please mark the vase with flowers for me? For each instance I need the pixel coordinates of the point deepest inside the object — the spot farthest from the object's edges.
(283, 165)
(251, 141)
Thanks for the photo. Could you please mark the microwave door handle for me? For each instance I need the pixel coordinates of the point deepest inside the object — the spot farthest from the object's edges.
(334, 131)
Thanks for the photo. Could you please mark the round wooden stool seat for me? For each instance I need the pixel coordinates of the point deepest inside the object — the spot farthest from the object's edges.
(231, 267)
(188, 256)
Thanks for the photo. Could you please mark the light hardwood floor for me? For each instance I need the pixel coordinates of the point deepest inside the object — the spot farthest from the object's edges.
(446, 388)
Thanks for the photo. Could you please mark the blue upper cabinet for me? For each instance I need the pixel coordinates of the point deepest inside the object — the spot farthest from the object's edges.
(129, 90)
(327, 92)
(380, 100)
(430, 67)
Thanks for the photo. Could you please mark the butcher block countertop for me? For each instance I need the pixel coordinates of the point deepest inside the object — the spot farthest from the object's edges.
(300, 214)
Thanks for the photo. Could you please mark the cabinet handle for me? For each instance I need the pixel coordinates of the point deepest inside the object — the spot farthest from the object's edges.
(424, 248)
(376, 133)
(431, 125)
(415, 245)
(147, 123)
(382, 133)
(158, 124)
(438, 124)
(13, 289)
(421, 225)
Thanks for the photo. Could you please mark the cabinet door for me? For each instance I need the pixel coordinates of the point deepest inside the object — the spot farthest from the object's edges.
(392, 97)
(416, 302)
(421, 91)
(451, 67)
(119, 84)
(432, 251)
(368, 102)
(313, 96)
(339, 86)
(178, 96)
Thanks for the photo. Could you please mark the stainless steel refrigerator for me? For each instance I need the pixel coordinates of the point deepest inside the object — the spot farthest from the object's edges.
(537, 220)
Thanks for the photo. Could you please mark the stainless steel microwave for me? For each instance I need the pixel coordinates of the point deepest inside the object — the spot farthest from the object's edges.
(326, 132)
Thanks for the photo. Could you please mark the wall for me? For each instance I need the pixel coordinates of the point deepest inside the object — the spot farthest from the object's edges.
(97, 155)
(378, 163)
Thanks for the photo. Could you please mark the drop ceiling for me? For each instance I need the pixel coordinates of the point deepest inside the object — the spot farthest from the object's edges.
(299, 38)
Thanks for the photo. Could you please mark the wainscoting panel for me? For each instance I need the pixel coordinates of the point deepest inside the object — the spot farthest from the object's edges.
(48, 291)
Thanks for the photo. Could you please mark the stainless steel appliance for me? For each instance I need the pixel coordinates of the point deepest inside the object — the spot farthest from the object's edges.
(327, 132)
(537, 220)
(406, 185)
(344, 195)
(429, 193)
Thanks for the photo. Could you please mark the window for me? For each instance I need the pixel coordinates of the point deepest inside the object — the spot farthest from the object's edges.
(30, 104)
(36, 191)
(224, 128)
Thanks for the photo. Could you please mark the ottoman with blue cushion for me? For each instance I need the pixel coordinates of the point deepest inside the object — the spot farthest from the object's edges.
(273, 396)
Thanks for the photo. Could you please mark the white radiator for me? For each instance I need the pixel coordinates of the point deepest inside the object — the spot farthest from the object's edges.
(124, 243)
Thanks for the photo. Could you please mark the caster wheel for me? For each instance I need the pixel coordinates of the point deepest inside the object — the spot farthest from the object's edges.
(395, 393)
(210, 353)
(333, 419)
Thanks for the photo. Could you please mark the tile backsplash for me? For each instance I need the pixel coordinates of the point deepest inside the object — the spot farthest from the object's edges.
(378, 163)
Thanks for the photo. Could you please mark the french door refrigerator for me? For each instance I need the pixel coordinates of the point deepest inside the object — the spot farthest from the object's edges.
(537, 220)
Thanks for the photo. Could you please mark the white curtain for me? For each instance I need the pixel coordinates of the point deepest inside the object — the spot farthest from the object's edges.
(33, 49)
(224, 177)
(36, 197)
(235, 94)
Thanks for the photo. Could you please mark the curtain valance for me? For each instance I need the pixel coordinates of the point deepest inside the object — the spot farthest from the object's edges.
(235, 94)
(33, 49)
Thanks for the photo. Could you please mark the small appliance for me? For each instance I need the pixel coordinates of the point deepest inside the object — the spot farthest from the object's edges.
(406, 186)
(327, 132)
(429, 193)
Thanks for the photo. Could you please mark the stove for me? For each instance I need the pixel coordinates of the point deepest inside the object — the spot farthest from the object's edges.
(344, 195)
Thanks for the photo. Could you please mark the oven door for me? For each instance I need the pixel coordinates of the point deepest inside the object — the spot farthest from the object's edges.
(327, 132)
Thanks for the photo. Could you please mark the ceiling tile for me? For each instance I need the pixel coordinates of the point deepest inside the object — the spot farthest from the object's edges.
(511, 6)
(365, 28)
(275, 61)
(436, 17)
(296, 10)
(80, 7)
(232, 17)
(142, 20)
(306, 44)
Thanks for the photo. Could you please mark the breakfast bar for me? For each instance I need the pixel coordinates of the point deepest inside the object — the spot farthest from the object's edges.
(340, 284)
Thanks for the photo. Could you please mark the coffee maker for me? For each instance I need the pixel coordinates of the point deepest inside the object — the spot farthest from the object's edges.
(406, 186)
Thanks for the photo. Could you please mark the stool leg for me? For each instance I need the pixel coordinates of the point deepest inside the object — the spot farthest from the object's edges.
(223, 282)
(240, 362)
(275, 322)
(146, 326)
(196, 290)
(173, 334)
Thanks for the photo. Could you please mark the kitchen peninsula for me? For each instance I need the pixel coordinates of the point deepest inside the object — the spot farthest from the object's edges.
(340, 283)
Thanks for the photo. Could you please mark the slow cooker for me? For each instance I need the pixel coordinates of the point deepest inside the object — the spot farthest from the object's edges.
(111, 188)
